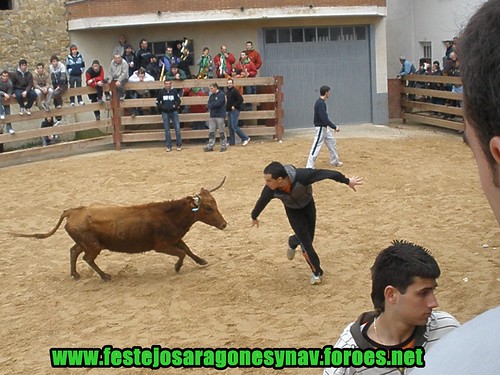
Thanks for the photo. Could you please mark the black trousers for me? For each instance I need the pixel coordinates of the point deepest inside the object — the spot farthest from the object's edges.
(303, 223)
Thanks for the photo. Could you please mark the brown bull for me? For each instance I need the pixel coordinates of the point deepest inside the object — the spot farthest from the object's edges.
(135, 229)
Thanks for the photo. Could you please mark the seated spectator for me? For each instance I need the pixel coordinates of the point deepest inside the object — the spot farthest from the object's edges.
(152, 68)
(139, 75)
(22, 80)
(59, 80)
(94, 76)
(403, 282)
(6, 90)
(176, 74)
(117, 74)
(42, 83)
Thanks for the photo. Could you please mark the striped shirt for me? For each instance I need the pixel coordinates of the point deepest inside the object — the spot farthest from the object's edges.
(439, 324)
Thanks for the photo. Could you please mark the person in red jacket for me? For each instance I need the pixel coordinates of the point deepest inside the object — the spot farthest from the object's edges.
(224, 62)
(94, 76)
(253, 55)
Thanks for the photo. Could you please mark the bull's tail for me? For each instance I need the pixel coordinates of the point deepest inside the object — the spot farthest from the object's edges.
(64, 215)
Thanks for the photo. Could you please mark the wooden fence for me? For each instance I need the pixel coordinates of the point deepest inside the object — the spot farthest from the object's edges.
(424, 99)
(118, 126)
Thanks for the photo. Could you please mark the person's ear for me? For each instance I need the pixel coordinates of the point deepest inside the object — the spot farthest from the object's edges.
(390, 294)
(495, 148)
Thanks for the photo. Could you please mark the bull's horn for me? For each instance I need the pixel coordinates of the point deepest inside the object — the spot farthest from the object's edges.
(218, 187)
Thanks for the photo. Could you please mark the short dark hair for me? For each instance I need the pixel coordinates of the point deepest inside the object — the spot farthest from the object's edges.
(480, 71)
(141, 70)
(40, 64)
(214, 84)
(54, 57)
(96, 62)
(5, 71)
(174, 66)
(323, 90)
(276, 170)
(23, 62)
(398, 265)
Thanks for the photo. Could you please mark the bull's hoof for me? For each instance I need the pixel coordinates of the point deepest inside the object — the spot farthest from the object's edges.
(178, 267)
(76, 276)
(105, 277)
(202, 262)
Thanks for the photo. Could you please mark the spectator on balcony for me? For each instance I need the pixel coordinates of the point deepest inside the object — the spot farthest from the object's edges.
(256, 59)
(142, 55)
(59, 80)
(121, 46)
(245, 68)
(75, 65)
(223, 63)
(139, 75)
(167, 60)
(94, 77)
(152, 68)
(205, 64)
(42, 83)
(118, 73)
(22, 80)
(129, 57)
(6, 90)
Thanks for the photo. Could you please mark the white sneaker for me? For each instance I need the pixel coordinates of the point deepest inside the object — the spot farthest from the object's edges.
(21, 111)
(28, 112)
(57, 123)
(2, 117)
(168, 149)
(11, 131)
(246, 142)
(72, 104)
(315, 280)
(338, 164)
(81, 102)
(179, 148)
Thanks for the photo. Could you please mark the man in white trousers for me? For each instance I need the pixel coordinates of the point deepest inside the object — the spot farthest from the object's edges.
(323, 133)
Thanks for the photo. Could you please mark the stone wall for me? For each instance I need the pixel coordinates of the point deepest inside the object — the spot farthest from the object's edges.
(34, 30)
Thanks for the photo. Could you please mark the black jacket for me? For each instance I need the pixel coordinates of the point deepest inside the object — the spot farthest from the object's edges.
(233, 98)
(168, 101)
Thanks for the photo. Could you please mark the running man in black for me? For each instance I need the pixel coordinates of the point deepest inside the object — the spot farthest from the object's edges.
(293, 187)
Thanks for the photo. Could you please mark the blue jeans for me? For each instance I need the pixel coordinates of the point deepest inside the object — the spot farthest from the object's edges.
(30, 97)
(174, 116)
(233, 117)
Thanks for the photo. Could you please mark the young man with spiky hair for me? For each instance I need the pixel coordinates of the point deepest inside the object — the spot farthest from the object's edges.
(404, 278)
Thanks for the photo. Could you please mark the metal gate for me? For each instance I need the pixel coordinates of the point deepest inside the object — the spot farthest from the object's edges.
(339, 59)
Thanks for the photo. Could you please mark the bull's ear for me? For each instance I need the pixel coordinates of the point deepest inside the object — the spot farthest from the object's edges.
(196, 203)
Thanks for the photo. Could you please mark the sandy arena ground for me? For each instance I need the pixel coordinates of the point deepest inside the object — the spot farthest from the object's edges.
(420, 185)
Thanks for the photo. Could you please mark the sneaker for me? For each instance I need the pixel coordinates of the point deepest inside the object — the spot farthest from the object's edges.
(55, 137)
(315, 280)
(338, 164)
(21, 111)
(10, 130)
(122, 98)
(223, 149)
(2, 117)
(290, 253)
(72, 104)
(208, 149)
(58, 106)
(97, 117)
(168, 149)
(179, 148)
(57, 123)
(100, 101)
(28, 111)
(246, 142)
(81, 102)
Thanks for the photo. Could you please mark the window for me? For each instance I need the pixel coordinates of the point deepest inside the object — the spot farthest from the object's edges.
(426, 49)
(7, 4)
(297, 35)
(316, 34)
(271, 36)
(310, 34)
(284, 35)
(158, 48)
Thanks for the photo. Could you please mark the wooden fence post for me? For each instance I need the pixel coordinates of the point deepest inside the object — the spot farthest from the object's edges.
(278, 80)
(116, 118)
